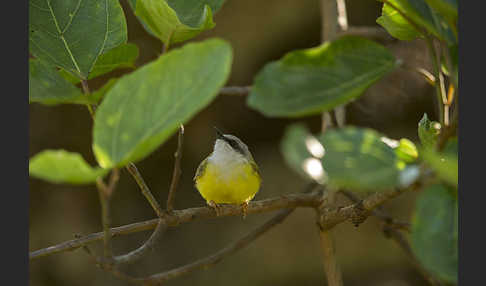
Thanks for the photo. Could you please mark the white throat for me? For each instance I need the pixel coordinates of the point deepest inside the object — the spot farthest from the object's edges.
(224, 156)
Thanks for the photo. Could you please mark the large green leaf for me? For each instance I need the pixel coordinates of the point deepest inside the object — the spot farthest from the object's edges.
(396, 25)
(46, 86)
(428, 132)
(435, 231)
(123, 56)
(350, 158)
(358, 159)
(145, 107)
(60, 166)
(72, 34)
(444, 163)
(314, 80)
(175, 21)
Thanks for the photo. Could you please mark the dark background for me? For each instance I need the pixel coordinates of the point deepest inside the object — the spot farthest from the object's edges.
(259, 31)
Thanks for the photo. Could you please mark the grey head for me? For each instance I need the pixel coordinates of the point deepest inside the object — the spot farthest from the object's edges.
(234, 143)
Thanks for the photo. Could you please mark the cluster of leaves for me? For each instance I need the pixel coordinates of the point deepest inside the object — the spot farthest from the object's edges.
(138, 112)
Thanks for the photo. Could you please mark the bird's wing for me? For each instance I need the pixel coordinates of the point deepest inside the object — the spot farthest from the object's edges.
(200, 169)
(255, 169)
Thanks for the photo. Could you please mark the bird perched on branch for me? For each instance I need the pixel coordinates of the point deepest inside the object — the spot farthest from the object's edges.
(229, 175)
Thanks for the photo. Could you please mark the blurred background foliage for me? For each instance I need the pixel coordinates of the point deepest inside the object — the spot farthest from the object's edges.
(259, 32)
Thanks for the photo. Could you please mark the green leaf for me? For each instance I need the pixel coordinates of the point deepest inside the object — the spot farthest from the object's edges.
(60, 166)
(46, 86)
(175, 21)
(303, 152)
(445, 163)
(396, 25)
(145, 107)
(358, 159)
(422, 15)
(123, 56)
(435, 231)
(351, 158)
(310, 81)
(72, 34)
(428, 132)
(447, 8)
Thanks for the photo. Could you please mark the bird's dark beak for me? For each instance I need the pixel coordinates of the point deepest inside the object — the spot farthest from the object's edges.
(219, 133)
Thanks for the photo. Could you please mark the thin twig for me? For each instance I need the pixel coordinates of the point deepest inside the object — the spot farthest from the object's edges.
(177, 170)
(438, 75)
(132, 169)
(371, 32)
(91, 108)
(235, 90)
(109, 267)
(206, 262)
(144, 249)
(105, 216)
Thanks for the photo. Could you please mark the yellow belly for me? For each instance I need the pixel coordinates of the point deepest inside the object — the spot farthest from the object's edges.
(240, 186)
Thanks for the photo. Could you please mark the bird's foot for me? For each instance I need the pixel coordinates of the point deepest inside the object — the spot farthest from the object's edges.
(244, 209)
(215, 207)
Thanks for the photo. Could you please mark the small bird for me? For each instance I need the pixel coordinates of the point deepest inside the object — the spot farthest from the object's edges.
(229, 175)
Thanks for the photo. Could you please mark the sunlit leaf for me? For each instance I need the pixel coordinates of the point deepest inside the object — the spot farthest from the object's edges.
(406, 151)
(435, 231)
(175, 21)
(396, 25)
(145, 107)
(60, 166)
(72, 34)
(314, 80)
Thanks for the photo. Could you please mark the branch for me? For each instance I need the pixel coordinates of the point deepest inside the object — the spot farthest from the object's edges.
(177, 170)
(206, 262)
(390, 229)
(310, 200)
(132, 169)
(187, 215)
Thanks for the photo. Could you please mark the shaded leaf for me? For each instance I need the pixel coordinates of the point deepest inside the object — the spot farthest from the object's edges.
(64, 33)
(396, 25)
(145, 107)
(350, 158)
(175, 21)
(428, 132)
(60, 166)
(46, 86)
(358, 159)
(445, 163)
(310, 81)
(96, 96)
(435, 231)
(123, 56)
